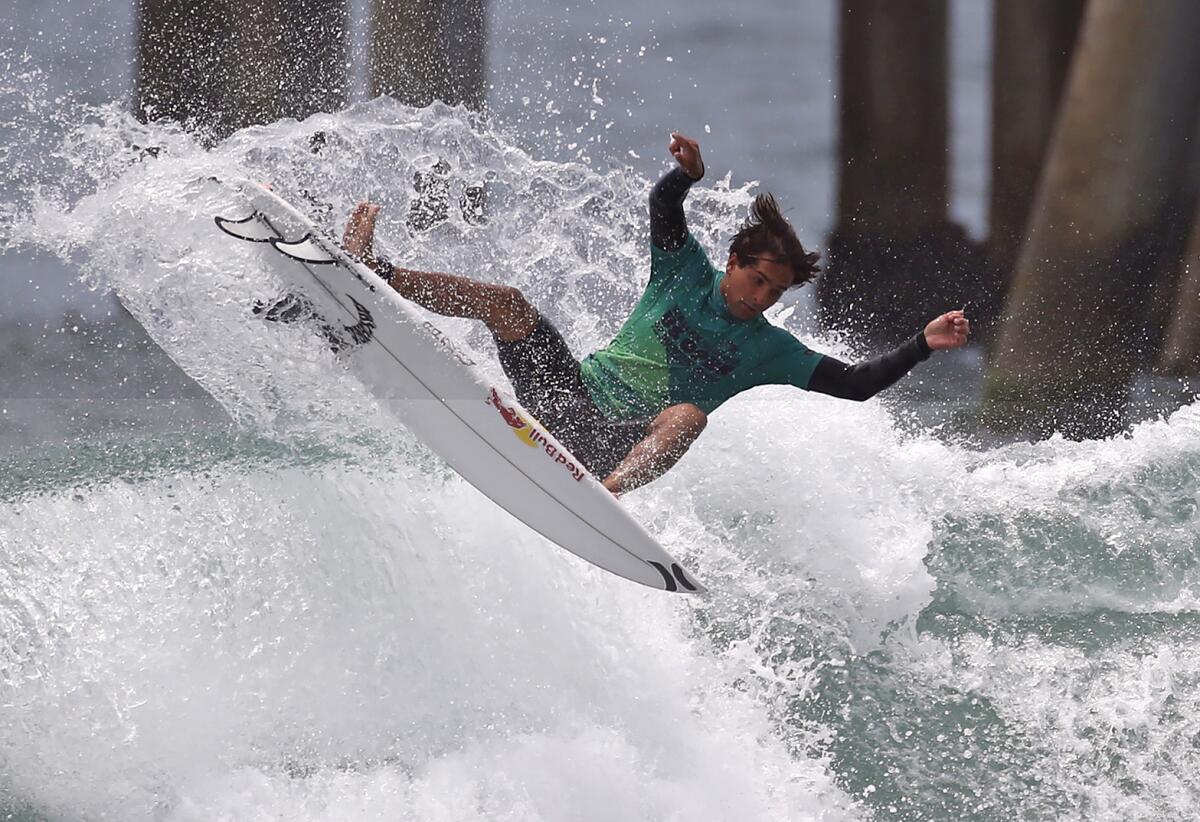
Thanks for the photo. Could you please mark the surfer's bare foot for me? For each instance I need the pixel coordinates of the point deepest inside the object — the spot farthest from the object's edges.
(359, 237)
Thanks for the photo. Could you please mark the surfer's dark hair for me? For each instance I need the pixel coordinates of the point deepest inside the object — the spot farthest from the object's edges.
(767, 231)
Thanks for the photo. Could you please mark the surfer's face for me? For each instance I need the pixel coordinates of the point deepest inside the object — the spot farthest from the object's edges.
(753, 284)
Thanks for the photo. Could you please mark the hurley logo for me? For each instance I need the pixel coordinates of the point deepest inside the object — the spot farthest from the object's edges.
(687, 345)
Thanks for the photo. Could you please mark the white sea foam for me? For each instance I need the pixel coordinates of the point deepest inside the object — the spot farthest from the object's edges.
(376, 635)
(171, 645)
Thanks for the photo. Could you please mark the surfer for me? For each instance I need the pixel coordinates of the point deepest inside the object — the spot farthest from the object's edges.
(695, 338)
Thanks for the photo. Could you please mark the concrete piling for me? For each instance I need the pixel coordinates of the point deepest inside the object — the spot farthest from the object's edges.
(219, 65)
(1181, 349)
(1107, 202)
(895, 259)
(426, 50)
(1032, 44)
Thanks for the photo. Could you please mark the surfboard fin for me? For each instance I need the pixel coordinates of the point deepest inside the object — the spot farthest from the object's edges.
(306, 251)
(253, 229)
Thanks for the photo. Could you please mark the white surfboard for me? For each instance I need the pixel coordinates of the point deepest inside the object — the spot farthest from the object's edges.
(442, 397)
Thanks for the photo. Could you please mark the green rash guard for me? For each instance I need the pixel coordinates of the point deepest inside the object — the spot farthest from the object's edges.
(681, 344)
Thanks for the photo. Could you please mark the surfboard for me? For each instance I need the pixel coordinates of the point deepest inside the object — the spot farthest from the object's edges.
(439, 393)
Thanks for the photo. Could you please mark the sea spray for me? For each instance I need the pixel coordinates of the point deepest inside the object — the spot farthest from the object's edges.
(224, 637)
(900, 626)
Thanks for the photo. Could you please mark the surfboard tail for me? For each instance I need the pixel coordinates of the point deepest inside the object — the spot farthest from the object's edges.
(675, 579)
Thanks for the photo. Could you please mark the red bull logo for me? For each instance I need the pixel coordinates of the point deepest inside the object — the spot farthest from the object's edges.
(522, 427)
(532, 436)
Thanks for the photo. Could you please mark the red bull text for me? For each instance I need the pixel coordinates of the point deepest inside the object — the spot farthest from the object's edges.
(533, 436)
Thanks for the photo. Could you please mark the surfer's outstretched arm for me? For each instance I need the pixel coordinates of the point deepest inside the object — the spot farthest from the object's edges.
(668, 226)
(865, 380)
(502, 308)
(671, 434)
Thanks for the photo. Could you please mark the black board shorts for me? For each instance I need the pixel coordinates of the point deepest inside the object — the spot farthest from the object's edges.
(549, 384)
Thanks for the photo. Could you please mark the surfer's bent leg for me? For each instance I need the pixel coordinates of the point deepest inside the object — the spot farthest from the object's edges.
(503, 308)
(671, 434)
(549, 383)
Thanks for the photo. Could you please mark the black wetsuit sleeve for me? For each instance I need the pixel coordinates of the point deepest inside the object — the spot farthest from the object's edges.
(668, 227)
(865, 380)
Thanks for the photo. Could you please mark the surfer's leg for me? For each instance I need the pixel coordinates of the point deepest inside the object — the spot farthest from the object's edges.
(671, 434)
(545, 376)
(502, 308)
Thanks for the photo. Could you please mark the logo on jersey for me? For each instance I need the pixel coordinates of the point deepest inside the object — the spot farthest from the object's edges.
(684, 343)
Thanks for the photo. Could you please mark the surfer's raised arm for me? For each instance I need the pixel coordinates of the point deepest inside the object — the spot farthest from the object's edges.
(668, 226)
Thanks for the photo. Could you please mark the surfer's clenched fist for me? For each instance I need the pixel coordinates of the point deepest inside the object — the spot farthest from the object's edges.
(686, 152)
(359, 237)
(950, 330)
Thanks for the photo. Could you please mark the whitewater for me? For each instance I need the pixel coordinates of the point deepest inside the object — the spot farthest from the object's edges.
(294, 611)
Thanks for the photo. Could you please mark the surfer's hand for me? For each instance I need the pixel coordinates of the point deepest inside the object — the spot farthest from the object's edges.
(687, 153)
(948, 331)
(359, 238)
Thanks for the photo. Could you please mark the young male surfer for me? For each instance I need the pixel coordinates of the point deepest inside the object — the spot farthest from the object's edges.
(696, 337)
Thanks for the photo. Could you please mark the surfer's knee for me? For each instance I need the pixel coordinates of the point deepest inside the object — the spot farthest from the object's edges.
(510, 316)
(684, 420)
